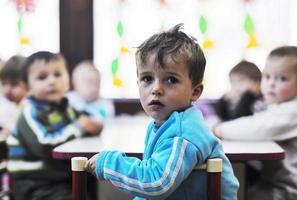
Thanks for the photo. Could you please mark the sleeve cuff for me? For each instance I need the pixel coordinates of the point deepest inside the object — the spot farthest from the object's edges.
(100, 164)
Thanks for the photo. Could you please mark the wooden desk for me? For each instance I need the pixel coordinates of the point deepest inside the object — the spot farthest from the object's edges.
(127, 134)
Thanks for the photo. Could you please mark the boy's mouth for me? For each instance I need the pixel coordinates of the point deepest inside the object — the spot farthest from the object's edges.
(156, 104)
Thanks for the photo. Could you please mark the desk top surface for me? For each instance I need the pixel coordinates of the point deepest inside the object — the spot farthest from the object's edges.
(127, 134)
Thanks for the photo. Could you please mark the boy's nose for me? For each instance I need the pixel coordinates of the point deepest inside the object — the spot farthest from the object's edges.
(157, 89)
(271, 82)
(52, 80)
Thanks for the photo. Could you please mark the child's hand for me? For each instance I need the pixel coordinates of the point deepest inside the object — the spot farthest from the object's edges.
(4, 133)
(217, 132)
(232, 96)
(93, 127)
(90, 165)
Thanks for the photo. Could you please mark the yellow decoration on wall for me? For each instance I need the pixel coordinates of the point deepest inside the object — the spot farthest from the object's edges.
(24, 40)
(207, 44)
(252, 42)
(117, 82)
(124, 50)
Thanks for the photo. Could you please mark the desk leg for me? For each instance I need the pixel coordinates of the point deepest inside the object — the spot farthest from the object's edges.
(79, 178)
(240, 173)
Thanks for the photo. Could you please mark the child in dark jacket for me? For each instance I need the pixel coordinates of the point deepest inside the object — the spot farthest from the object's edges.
(245, 78)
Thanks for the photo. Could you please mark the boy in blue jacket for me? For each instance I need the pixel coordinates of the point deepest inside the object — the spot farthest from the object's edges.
(170, 68)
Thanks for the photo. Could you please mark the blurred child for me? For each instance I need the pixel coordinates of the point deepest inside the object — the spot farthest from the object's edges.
(46, 121)
(13, 90)
(278, 122)
(245, 78)
(170, 68)
(86, 93)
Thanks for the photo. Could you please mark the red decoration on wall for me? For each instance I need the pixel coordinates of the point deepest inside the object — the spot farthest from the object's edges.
(24, 5)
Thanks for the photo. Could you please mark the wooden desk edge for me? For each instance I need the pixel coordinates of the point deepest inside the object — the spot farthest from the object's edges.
(231, 156)
(67, 156)
(255, 156)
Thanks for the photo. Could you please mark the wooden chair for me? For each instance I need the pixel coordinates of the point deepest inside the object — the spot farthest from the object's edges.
(213, 168)
(5, 192)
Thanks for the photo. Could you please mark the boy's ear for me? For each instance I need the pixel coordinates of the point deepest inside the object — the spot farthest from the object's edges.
(27, 86)
(197, 91)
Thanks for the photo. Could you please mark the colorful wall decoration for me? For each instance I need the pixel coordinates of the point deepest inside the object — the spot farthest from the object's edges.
(28, 26)
(227, 30)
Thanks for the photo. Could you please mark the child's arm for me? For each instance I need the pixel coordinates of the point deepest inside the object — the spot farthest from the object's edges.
(156, 177)
(271, 124)
(36, 137)
(91, 126)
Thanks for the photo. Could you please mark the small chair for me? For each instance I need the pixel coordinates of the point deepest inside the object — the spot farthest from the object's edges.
(213, 167)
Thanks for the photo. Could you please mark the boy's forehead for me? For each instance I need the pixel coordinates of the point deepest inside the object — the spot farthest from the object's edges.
(153, 61)
(281, 62)
(238, 75)
(58, 63)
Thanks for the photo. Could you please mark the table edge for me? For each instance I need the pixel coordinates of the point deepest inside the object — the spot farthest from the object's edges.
(231, 156)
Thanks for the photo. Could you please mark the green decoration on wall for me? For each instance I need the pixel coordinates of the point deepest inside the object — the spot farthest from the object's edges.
(20, 24)
(248, 24)
(120, 29)
(202, 24)
(115, 66)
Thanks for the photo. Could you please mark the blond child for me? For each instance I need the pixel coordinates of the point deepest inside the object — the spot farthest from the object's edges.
(278, 123)
(170, 68)
(85, 95)
(46, 121)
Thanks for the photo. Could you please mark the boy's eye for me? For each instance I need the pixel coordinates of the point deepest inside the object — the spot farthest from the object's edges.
(42, 77)
(146, 79)
(14, 83)
(282, 78)
(57, 74)
(266, 76)
(172, 80)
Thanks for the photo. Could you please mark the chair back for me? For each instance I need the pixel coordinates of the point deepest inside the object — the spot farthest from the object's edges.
(213, 168)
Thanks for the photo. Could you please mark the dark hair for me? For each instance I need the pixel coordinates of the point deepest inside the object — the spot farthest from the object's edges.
(174, 44)
(284, 51)
(12, 69)
(247, 69)
(40, 55)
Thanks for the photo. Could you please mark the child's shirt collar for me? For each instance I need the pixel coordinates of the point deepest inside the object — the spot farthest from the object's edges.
(43, 104)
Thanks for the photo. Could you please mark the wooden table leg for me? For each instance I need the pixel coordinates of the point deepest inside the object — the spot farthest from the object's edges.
(79, 178)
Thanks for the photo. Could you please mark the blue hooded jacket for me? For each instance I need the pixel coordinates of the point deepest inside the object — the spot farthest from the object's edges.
(171, 153)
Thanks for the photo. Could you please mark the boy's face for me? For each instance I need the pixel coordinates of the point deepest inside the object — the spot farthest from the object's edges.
(165, 90)
(279, 82)
(240, 84)
(88, 85)
(14, 90)
(48, 81)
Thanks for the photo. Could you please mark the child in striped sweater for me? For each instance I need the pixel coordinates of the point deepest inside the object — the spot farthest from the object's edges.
(46, 121)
